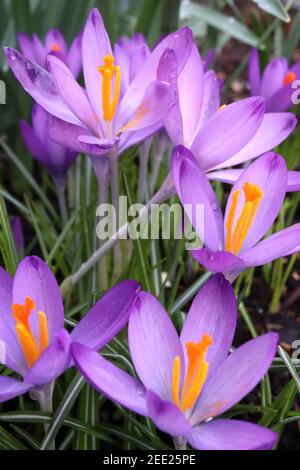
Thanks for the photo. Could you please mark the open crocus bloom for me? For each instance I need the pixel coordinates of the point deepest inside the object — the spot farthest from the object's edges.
(232, 244)
(54, 157)
(188, 380)
(54, 44)
(33, 341)
(275, 84)
(94, 119)
(220, 136)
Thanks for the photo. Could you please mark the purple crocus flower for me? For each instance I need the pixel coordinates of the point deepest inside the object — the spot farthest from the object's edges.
(187, 381)
(33, 341)
(93, 120)
(219, 136)
(275, 84)
(54, 44)
(130, 55)
(54, 157)
(232, 243)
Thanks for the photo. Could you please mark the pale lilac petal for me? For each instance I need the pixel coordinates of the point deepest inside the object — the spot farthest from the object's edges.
(228, 131)
(254, 73)
(72, 94)
(95, 46)
(213, 312)
(153, 344)
(74, 56)
(167, 72)
(236, 376)
(107, 317)
(68, 135)
(211, 98)
(34, 279)
(269, 173)
(283, 243)
(293, 183)
(281, 101)
(40, 50)
(55, 38)
(274, 129)
(273, 76)
(197, 196)
(11, 388)
(110, 380)
(128, 139)
(26, 46)
(180, 41)
(39, 84)
(190, 90)
(225, 434)
(11, 352)
(158, 99)
(218, 261)
(167, 416)
(54, 360)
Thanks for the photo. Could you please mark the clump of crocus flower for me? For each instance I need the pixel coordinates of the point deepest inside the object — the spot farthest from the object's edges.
(232, 243)
(276, 82)
(37, 51)
(33, 340)
(187, 382)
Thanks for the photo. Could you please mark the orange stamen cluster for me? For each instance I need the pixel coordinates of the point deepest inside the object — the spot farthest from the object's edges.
(30, 349)
(55, 47)
(236, 237)
(289, 78)
(108, 72)
(195, 376)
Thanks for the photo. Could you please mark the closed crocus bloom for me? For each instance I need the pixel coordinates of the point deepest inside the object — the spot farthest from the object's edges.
(220, 136)
(33, 341)
(232, 243)
(55, 158)
(95, 119)
(187, 381)
(275, 84)
(37, 51)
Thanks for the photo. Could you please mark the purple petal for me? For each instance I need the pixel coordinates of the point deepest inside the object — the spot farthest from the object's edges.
(33, 144)
(128, 139)
(218, 261)
(281, 101)
(53, 361)
(167, 416)
(293, 183)
(95, 46)
(34, 279)
(72, 94)
(39, 84)
(26, 46)
(211, 99)
(11, 352)
(18, 232)
(107, 317)
(196, 193)
(269, 173)
(283, 243)
(275, 128)
(213, 312)
(110, 380)
(158, 99)
(153, 344)
(40, 51)
(225, 434)
(55, 38)
(273, 76)
(74, 57)
(254, 73)
(190, 95)
(180, 41)
(68, 135)
(236, 376)
(11, 388)
(228, 131)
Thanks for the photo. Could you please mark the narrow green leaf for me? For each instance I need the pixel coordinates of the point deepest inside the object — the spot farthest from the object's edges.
(275, 8)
